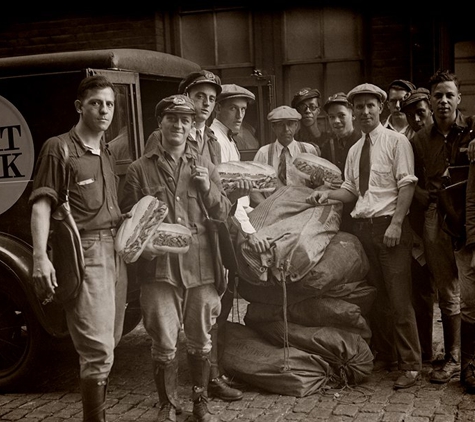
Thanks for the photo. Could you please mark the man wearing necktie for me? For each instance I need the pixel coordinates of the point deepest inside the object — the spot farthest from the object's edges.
(285, 122)
(203, 88)
(379, 173)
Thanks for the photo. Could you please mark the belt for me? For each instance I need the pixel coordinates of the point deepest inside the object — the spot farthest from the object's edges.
(99, 232)
(373, 220)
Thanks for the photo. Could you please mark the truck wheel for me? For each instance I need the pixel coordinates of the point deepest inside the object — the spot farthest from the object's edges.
(21, 337)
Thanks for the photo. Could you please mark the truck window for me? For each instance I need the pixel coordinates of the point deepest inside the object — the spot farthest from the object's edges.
(118, 135)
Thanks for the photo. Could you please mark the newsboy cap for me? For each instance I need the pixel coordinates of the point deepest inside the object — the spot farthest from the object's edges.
(304, 94)
(175, 104)
(200, 77)
(283, 113)
(338, 98)
(414, 96)
(235, 91)
(367, 89)
(402, 84)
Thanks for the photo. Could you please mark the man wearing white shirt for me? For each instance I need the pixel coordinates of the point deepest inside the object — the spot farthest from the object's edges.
(230, 110)
(379, 172)
(285, 122)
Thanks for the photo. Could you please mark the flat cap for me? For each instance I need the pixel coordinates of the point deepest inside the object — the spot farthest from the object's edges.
(338, 98)
(414, 96)
(367, 89)
(175, 104)
(200, 77)
(283, 113)
(304, 94)
(402, 84)
(235, 91)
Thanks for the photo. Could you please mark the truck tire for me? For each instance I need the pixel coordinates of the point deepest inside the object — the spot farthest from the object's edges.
(21, 337)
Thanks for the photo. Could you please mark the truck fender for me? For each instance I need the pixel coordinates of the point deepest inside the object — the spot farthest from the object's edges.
(16, 258)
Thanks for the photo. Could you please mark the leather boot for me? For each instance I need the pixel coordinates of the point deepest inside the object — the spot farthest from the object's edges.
(451, 367)
(218, 385)
(165, 376)
(93, 394)
(467, 376)
(200, 369)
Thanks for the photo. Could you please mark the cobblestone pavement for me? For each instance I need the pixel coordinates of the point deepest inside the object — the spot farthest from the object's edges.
(132, 395)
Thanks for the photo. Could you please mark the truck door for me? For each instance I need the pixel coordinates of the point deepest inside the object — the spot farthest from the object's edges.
(125, 134)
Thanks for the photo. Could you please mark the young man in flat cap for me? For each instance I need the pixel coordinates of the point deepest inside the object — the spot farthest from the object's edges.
(230, 110)
(203, 88)
(307, 102)
(397, 119)
(446, 150)
(379, 174)
(284, 122)
(415, 104)
(179, 289)
(340, 116)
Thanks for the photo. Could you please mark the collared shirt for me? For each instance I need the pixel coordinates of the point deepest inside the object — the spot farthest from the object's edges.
(275, 149)
(392, 167)
(407, 131)
(92, 185)
(435, 152)
(229, 152)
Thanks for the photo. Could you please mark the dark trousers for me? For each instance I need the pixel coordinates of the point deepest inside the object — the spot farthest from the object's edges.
(423, 301)
(392, 318)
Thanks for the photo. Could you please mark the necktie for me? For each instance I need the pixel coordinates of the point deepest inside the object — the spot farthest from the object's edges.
(233, 141)
(282, 168)
(365, 165)
(199, 140)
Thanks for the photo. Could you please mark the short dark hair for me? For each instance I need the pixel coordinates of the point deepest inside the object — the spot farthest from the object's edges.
(443, 76)
(91, 83)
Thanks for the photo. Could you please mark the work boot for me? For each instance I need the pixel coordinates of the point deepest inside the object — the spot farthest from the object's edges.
(200, 369)
(93, 394)
(165, 376)
(467, 375)
(218, 386)
(451, 367)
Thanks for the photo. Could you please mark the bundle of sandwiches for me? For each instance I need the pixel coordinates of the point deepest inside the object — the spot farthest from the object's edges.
(317, 171)
(262, 176)
(145, 229)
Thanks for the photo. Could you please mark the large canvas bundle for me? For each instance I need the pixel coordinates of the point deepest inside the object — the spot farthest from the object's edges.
(340, 273)
(250, 358)
(313, 312)
(348, 354)
(301, 233)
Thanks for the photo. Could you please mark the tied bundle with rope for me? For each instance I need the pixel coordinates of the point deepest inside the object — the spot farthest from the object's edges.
(299, 233)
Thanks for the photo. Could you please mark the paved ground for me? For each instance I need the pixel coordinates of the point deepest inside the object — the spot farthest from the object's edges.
(132, 395)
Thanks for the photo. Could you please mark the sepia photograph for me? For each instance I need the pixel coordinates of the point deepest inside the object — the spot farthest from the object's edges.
(234, 211)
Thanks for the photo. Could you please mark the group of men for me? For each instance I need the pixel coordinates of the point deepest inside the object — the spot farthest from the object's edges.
(387, 170)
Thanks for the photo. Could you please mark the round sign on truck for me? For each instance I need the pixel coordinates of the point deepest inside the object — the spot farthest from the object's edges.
(17, 154)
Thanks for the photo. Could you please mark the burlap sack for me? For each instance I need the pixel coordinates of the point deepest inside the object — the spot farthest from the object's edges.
(250, 358)
(301, 233)
(348, 354)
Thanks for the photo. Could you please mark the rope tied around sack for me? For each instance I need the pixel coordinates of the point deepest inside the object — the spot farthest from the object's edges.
(283, 271)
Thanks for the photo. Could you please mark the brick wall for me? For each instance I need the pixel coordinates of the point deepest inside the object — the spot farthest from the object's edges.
(47, 33)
